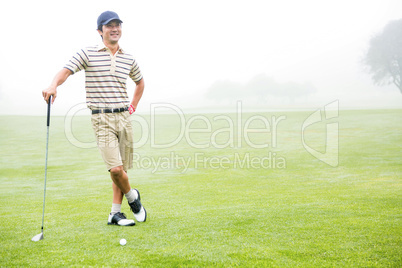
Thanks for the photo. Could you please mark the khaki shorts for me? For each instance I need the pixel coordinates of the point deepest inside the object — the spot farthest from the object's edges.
(114, 135)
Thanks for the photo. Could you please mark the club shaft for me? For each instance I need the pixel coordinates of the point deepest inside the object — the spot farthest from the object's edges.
(44, 187)
(47, 151)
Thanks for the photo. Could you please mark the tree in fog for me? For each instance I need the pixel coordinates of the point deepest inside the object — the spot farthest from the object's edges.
(384, 56)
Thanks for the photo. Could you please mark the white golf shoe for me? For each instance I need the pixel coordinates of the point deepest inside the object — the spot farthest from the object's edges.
(119, 219)
(138, 209)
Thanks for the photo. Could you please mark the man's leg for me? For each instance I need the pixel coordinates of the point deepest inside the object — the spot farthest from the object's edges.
(120, 179)
(106, 128)
(117, 199)
(117, 194)
(115, 216)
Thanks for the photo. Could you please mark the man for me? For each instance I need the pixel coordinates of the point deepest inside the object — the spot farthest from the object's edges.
(106, 70)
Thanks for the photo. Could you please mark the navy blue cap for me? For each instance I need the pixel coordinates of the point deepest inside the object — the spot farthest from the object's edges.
(107, 17)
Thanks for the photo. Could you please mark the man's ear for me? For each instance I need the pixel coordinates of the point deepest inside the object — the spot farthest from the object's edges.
(100, 33)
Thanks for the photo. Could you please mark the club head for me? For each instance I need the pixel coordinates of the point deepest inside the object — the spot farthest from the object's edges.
(37, 237)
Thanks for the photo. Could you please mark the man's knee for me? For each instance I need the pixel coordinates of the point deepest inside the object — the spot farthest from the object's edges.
(116, 171)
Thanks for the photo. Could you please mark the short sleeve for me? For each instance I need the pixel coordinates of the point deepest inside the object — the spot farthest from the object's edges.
(78, 62)
(135, 73)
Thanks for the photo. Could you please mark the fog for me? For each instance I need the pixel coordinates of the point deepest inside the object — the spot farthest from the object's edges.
(200, 55)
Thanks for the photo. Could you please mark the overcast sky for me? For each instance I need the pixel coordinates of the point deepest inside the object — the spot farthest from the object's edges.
(190, 50)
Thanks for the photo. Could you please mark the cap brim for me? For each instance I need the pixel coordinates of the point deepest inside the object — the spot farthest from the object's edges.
(106, 22)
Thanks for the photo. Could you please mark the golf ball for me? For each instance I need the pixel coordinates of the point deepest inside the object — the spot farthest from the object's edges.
(123, 241)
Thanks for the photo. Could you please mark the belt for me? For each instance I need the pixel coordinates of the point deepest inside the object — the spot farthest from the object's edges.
(110, 111)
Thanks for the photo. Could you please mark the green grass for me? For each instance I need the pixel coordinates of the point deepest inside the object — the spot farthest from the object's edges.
(304, 213)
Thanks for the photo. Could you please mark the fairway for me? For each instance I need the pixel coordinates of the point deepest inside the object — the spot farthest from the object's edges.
(227, 194)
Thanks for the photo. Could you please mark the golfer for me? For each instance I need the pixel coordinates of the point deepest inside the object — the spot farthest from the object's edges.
(107, 67)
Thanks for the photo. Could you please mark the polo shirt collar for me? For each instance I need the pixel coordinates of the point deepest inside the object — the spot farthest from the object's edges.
(101, 47)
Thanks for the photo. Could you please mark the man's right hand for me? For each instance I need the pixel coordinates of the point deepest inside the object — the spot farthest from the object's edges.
(59, 79)
(49, 92)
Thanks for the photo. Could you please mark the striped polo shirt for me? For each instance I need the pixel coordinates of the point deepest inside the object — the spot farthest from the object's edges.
(105, 75)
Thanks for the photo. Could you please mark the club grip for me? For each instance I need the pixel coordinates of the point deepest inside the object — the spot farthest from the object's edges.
(48, 110)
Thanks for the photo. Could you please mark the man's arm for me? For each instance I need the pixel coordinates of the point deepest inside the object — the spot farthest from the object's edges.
(139, 89)
(59, 79)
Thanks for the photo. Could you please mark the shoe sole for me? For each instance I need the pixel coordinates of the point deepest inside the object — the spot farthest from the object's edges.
(111, 223)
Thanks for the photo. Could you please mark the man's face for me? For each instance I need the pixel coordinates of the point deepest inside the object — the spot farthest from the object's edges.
(111, 32)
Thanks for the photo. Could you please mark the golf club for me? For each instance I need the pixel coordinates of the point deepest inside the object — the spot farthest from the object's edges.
(40, 236)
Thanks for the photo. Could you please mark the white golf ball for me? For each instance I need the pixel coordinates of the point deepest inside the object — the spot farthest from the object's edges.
(123, 242)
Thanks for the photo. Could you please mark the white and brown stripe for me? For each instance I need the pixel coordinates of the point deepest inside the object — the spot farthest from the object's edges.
(105, 75)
